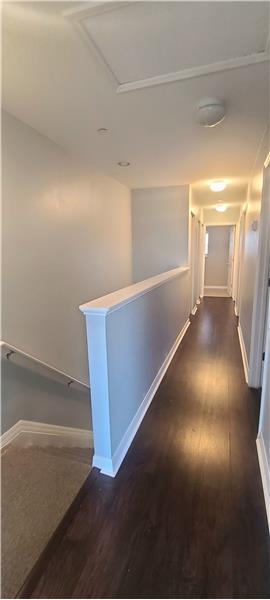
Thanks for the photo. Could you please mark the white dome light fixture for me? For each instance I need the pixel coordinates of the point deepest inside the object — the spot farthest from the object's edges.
(221, 207)
(218, 186)
(211, 111)
(102, 130)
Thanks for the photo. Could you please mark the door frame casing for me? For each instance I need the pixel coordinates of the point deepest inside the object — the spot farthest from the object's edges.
(236, 264)
(195, 261)
(230, 287)
(193, 234)
(234, 252)
(201, 260)
(240, 257)
(261, 285)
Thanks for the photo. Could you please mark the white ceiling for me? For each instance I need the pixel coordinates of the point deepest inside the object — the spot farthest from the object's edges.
(163, 37)
(57, 83)
(234, 194)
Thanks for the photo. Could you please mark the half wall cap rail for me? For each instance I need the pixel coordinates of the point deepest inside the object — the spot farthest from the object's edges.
(115, 300)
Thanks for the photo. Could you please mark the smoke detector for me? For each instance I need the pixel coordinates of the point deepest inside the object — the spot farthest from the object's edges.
(210, 112)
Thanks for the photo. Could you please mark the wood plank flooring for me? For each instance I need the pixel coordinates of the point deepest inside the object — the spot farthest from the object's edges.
(185, 516)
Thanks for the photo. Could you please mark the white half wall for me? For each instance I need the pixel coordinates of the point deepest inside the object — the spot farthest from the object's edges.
(160, 223)
(132, 336)
(66, 238)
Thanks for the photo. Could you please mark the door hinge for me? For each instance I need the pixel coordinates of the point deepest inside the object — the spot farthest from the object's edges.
(268, 281)
(263, 356)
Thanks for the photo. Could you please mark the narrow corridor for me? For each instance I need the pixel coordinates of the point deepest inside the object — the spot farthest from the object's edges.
(185, 516)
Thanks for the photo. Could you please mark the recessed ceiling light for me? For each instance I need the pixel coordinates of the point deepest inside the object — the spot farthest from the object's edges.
(218, 186)
(102, 130)
(221, 207)
(123, 163)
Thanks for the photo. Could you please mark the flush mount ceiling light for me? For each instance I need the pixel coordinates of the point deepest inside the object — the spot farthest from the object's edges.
(218, 186)
(123, 163)
(211, 111)
(102, 130)
(221, 207)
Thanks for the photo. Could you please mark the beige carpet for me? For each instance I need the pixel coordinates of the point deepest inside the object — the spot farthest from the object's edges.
(38, 486)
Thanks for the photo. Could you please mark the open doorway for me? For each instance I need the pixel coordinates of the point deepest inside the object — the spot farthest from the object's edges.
(219, 260)
(195, 263)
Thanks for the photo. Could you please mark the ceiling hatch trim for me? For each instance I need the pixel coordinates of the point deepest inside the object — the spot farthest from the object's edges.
(225, 65)
(81, 12)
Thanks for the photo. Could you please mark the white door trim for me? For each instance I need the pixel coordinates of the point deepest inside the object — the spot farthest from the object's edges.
(192, 261)
(241, 247)
(243, 352)
(216, 287)
(264, 459)
(236, 262)
(202, 259)
(231, 261)
(265, 474)
(261, 285)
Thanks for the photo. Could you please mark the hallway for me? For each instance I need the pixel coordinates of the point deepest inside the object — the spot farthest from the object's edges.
(185, 516)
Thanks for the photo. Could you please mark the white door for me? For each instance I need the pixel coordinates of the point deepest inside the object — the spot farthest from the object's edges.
(197, 262)
(195, 230)
(266, 329)
(241, 244)
(202, 259)
(231, 260)
(264, 424)
(193, 260)
(266, 191)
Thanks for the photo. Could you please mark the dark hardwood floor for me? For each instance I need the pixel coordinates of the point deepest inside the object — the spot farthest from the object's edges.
(185, 516)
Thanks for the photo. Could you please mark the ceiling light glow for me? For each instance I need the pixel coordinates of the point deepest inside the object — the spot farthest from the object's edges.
(221, 207)
(218, 186)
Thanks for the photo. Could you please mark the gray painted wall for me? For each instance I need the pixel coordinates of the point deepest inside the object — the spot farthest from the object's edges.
(160, 222)
(216, 263)
(66, 240)
(127, 349)
(34, 394)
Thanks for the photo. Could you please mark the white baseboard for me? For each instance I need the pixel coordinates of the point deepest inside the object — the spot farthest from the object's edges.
(194, 310)
(111, 466)
(236, 312)
(216, 291)
(29, 433)
(265, 474)
(215, 287)
(243, 352)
